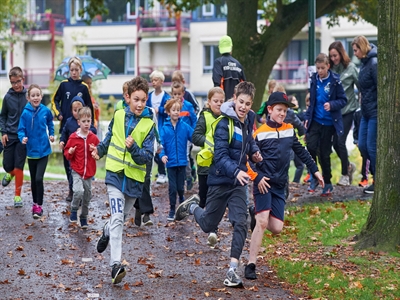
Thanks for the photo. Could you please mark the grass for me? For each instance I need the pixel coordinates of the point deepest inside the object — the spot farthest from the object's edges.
(315, 255)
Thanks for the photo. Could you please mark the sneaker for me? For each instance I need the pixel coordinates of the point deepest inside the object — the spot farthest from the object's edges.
(117, 273)
(73, 218)
(344, 181)
(327, 190)
(162, 178)
(252, 218)
(37, 211)
(350, 171)
(212, 239)
(84, 224)
(232, 279)
(138, 218)
(307, 178)
(70, 195)
(183, 208)
(18, 201)
(6, 179)
(250, 272)
(171, 216)
(370, 189)
(189, 184)
(313, 185)
(102, 243)
(363, 183)
(146, 220)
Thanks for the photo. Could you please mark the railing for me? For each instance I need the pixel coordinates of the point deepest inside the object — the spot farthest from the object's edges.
(145, 72)
(290, 72)
(41, 24)
(156, 21)
(40, 76)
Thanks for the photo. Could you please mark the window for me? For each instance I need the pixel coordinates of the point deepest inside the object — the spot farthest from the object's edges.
(211, 53)
(120, 59)
(208, 10)
(3, 69)
(80, 4)
(134, 7)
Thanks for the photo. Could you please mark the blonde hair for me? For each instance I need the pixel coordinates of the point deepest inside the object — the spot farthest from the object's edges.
(212, 92)
(177, 75)
(322, 58)
(157, 74)
(125, 88)
(75, 60)
(362, 43)
(170, 103)
(271, 85)
(84, 112)
(279, 88)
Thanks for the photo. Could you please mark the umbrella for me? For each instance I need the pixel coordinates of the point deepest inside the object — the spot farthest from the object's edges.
(90, 66)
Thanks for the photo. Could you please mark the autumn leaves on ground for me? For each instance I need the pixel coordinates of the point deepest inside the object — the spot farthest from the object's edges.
(52, 259)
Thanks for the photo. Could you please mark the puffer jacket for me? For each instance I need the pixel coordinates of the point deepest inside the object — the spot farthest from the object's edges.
(231, 158)
(368, 82)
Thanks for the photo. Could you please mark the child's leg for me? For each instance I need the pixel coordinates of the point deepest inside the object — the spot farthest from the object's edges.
(180, 181)
(87, 195)
(313, 139)
(325, 150)
(78, 190)
(145, 203)
(172, 187)
(41, 165)
(299, 168)
(203, 189)
(32, 163)
(160, 164)
(20, 157)
(68, 173)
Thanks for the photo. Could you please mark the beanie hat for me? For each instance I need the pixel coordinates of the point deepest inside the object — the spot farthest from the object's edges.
(225, 44)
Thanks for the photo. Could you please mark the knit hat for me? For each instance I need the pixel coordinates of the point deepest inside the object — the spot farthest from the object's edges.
(279, 98)
(225, 44)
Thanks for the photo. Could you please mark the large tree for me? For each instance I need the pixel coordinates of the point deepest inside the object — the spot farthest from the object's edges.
(382, 229)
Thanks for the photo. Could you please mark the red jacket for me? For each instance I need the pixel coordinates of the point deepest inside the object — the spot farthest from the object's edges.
(81, 160)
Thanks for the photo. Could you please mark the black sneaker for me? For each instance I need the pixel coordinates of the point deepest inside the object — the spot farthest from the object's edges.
(117, 273)
(252, 218)
(183, 208)
(146, 220)
(102, 243)
(84, 223)
(370, 189)
(138, 217)
(232, 279)
(250, 272)
(70, 195)
(6, 179)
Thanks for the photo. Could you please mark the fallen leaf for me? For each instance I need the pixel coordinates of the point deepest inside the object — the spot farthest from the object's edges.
(21, 272)
(20, 248)
(138, 283)
(126, 287)
(197, 262)
(29, 238)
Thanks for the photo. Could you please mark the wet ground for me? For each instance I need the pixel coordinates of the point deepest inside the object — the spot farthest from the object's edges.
(53, 259)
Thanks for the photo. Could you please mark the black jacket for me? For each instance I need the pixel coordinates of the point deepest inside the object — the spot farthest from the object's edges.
(13, 105)
(368, 82)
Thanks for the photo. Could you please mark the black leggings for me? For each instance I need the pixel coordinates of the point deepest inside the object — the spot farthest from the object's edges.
(37, 167)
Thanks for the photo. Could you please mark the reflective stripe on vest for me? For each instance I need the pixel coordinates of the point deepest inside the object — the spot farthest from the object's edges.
(209, 119)
(118, 158)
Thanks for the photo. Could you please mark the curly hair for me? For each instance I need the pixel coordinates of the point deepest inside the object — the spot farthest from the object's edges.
(138, 84)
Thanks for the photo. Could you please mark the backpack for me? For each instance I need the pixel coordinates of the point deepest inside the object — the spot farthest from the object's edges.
(205, 156)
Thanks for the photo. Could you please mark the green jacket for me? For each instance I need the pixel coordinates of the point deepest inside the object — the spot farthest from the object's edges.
(349, 78)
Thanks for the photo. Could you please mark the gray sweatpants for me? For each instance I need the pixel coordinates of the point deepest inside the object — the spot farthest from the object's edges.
(120, 205)
(82, 189)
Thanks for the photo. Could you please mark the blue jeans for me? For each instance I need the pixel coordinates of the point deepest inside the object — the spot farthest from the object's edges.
(176, 185)
(367, 140)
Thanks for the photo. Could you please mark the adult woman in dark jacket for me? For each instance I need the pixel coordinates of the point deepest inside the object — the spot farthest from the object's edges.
(368, 83)
(341, 64)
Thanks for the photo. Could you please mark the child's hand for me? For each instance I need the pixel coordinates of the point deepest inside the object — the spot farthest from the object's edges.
(129, 141)
(164, 159)
(71, 150)
(320, 179)
(60, 117)
(243, 177)
(263, 120)
(24, 140)
(94, 153)
(305, 124)
(257, 157)
(4, 139)
(327, 106)
(263, 185)
(51, 138)
(62, 146)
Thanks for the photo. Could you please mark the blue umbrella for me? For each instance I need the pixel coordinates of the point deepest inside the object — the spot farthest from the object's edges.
(90, 66)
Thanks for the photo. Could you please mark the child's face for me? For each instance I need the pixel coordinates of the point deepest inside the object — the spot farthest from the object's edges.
(278, 112)
(35, 97)
(243, 104)
(137, 102)
(84, 123)
(295, 102)
(156, 82)
(76, 106)
(177, 94)
(75, 71)
(215, 103)
(322, 69)
(174, 112)
(17, 83)
(89, 82)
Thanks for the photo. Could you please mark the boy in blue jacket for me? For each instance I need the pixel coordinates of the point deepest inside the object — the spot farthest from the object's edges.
(227, 177)
(323, 118)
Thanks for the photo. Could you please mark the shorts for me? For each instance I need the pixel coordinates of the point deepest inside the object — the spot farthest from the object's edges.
(274, 201)
(14, 155)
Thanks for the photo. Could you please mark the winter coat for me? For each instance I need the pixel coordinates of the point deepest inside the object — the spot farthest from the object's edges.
(141, 155)
(337, 100)
(81, 161)
(230, 158)
(368, 82)
(34, 125)
(174, 141)
(13, 105)
(162, 115)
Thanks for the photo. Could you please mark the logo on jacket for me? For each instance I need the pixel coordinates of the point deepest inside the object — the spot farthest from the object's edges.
(80, 94)
(68, 94)
(327, 88)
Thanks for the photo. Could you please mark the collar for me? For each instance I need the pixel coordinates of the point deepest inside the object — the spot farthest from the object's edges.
(272, 123)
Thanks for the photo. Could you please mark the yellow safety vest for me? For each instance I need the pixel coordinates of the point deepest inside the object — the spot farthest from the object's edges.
(118, 158)
(209, 119)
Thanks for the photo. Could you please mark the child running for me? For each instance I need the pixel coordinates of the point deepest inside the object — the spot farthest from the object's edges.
(128, 146)
(227, 177)
(175, 135)
(14, 151)
(36, 120)
(83, 165)
(276, 139)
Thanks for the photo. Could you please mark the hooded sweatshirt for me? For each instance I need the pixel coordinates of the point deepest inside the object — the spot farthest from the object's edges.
(13, 105)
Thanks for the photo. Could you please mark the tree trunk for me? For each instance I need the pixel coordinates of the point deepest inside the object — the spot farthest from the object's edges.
(258, 52)
(382, 230)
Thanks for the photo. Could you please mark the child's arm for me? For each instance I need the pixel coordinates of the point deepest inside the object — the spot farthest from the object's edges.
(50, 125)
(22, 134)
(340, 101)
(193, 117)
(199, 133)
(3, 120)
(143, 155)
(102, 147)
(55, 103)
(69, 150)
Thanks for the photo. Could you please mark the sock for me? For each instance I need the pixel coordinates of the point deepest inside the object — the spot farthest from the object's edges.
(19, 178)
(233, 265)
(192, 208)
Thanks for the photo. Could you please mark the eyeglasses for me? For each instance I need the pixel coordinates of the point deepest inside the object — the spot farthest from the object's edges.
(16, 82)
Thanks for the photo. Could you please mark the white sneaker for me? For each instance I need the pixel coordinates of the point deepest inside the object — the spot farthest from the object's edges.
(212, 239)
(162, 179)
(344, 181)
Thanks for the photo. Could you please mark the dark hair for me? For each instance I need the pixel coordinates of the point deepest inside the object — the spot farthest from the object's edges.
(344, 58)
(170, 103)
(138, 84)
(322, 58)
(247, 88)
(177, 85)
(16, 72)
(34, 86)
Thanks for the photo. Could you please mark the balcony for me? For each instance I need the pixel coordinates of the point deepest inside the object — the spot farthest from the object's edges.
(40, 27)
(40, 76)
(291, 72)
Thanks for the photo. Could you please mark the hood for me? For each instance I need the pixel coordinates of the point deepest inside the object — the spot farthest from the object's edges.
(146, 113)
(228, 109)
(372, 53)
(77, 98)
(11, 91)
